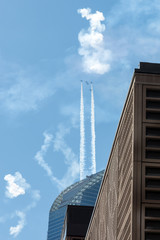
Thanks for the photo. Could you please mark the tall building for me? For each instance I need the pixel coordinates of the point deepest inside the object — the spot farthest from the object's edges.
(82, 193)
(128, 204)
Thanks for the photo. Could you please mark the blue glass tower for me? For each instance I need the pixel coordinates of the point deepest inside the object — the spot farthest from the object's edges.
(82, 193)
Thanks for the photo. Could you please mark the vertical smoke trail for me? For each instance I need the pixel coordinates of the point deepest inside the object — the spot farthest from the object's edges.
(93, 135)
(82, 137)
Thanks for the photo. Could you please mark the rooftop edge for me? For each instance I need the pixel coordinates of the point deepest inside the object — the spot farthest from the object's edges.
(147, 67)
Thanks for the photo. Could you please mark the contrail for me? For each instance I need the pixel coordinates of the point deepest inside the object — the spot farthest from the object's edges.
(93, 135)
(39, 157)
(82, 136)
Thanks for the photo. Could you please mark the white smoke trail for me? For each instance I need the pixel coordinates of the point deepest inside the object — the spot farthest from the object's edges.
(71, 159)
(95, 57)
(93, 135)
(82, 136)
(39, 157)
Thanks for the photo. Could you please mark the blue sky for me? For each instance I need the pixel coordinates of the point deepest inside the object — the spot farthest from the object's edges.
(46, 48)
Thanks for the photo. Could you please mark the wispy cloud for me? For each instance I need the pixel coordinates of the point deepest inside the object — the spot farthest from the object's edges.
(22, 90)
(14, 231)
(133, 25)
(71, 160)
(123, 11)
(72, 112)
(96, 58)
(23, 95)
(16, 185)
(35, 195)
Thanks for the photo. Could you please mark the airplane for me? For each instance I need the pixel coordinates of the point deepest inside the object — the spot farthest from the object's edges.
(87, 82)
(91, 86)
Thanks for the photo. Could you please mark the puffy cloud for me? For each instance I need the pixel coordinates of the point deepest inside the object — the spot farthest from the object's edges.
(14, 231)
(95, 57)
(16, 185)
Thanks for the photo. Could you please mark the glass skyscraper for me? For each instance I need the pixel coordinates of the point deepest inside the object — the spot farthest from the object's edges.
(82, 193)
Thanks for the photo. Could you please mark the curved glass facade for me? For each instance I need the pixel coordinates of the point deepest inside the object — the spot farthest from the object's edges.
(83, 193)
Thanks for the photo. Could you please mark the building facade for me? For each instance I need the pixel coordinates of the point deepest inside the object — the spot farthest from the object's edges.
(128, 204)
(76, 222)
(82, 193)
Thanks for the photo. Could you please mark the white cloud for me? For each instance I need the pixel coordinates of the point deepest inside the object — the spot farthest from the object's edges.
(16, 185)
(96, 59)
(22, 90)
(14, 231)
(134, 31)
(35, 195)
(24, 95)
(129, 10)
